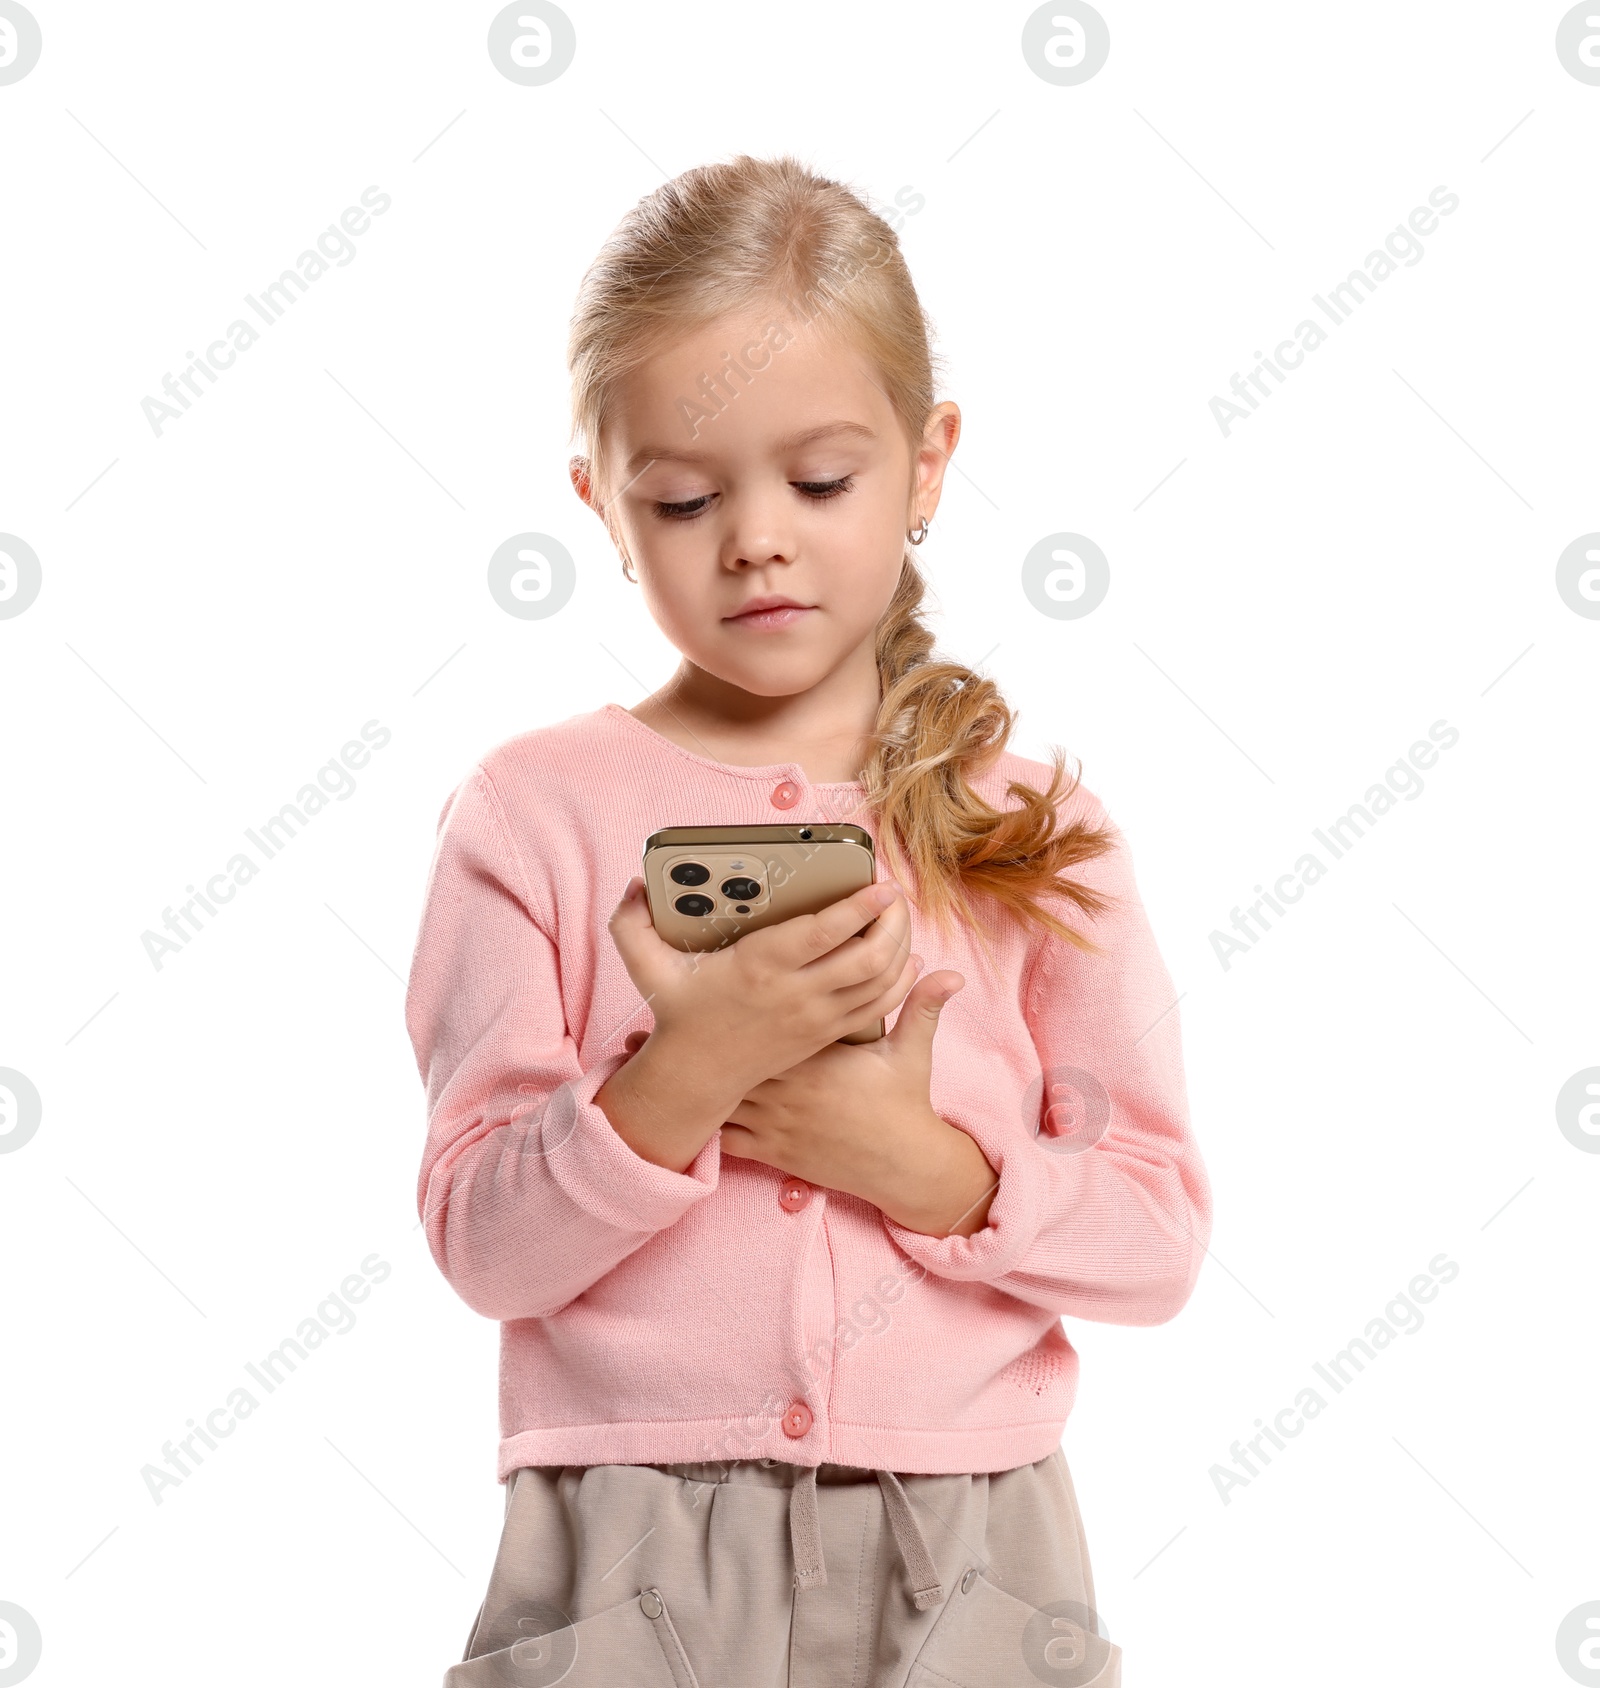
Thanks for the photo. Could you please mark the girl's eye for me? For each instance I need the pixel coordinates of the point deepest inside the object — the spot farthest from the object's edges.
(816, 491)
(683, 512)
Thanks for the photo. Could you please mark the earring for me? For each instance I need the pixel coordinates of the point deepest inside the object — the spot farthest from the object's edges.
(627, 573)
(921, 533)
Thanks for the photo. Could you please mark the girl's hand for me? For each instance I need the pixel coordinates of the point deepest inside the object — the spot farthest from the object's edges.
(858, 1118)
(728, 1019)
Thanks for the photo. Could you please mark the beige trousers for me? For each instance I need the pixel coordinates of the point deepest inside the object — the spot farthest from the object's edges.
(757, 1574)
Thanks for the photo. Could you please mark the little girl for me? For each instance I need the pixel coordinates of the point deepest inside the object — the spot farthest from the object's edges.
(783, 1377)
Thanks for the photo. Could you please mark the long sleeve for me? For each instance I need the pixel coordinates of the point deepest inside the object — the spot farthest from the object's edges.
(527, 1194)
(1103, 1211)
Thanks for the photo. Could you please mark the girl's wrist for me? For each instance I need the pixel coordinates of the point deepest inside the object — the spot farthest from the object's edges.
(666, 1104)
(952, 1191)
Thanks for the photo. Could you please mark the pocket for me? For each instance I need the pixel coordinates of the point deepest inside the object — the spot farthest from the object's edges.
(531, 1645)
(986, 1638)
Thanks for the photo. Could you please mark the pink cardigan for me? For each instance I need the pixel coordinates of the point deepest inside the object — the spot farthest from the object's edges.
(652, 1317)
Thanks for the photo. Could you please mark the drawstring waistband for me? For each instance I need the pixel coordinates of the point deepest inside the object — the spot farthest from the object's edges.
(805, 1537)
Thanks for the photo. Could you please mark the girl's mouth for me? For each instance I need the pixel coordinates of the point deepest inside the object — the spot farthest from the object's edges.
(763, 614)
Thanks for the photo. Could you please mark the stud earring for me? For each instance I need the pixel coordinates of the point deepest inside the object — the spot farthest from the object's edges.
(921, 533)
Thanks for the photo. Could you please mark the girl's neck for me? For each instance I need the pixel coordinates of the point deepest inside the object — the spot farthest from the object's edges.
(825, 729)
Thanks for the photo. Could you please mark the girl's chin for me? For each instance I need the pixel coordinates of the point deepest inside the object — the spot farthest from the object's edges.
(767, 680)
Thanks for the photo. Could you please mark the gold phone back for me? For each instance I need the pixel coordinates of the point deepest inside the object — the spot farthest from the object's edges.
(792, 875)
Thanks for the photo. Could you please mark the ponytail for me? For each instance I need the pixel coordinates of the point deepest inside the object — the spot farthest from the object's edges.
(938, 723)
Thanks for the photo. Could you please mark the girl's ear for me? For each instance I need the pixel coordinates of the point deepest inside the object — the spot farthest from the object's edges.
(578, 469)
(583, 485)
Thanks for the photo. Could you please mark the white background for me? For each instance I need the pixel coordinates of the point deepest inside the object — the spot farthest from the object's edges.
(226, 1138)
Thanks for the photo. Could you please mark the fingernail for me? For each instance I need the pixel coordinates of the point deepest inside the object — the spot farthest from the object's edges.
(916, 961)
(883, 893)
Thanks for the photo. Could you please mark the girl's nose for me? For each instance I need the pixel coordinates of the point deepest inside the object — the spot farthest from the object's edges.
(759, 533)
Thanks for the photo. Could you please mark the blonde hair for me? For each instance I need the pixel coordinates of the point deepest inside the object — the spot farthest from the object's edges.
(722, 239)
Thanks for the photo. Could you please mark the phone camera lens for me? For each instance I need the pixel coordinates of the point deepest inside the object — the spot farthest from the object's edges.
(694, 904)
(690, 873)
(740, 890)
(805, 832)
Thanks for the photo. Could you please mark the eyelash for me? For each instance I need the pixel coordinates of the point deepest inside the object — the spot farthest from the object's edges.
(819, 492)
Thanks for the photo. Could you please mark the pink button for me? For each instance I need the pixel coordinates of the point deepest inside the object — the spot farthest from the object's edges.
(797, 1421)
(795, 1194)
(786, 795)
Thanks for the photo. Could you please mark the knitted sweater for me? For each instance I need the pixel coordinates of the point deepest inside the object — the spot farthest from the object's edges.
(728, 1311)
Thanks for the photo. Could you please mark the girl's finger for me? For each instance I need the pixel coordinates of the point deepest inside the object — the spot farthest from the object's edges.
(809, 937)
(635, 936)
(883, 1002)
(899, 975)
(874, 953)
(738, 1142)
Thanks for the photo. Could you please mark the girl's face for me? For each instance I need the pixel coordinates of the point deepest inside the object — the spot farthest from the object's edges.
(794, 485)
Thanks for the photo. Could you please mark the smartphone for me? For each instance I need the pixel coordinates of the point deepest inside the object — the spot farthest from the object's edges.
(709, 885)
